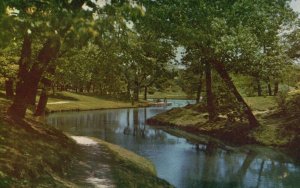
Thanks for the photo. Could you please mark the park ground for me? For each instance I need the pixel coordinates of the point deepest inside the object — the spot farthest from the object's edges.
(277, 129)
(34, 154)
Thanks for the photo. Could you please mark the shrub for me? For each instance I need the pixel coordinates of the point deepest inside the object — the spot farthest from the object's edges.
(281, 99)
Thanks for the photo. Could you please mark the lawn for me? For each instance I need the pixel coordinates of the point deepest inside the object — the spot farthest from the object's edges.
(261, 103)
(72, 101)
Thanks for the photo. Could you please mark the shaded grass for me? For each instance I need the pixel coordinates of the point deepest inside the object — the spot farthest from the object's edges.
(32, 154)
(84, 102)
(132, 170)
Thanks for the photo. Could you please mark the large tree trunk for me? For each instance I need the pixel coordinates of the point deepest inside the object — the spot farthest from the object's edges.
(220, 68)
(209, 94)
(32, 93)
(199, 88)
(19, 105)
(29, 78)
(40, 110)
(9, 87)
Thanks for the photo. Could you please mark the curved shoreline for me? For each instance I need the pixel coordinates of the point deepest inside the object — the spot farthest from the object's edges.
(45, 156)
(235, 134)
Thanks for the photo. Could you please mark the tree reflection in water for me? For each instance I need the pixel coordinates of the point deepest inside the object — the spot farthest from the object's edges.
(184, 163)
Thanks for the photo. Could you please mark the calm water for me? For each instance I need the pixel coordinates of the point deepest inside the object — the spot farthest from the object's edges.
(183, 163)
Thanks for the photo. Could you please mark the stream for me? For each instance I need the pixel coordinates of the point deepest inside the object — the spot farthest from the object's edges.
(184, 163)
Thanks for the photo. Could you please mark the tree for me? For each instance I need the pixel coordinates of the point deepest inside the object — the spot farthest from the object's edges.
(43, 20)
(8, 67)
(209, 26)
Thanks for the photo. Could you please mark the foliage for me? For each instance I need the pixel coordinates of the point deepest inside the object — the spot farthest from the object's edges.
(281, 100)
(293, 103)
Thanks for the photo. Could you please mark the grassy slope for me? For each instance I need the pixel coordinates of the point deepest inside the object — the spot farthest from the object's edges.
(132, 170)
(83, 102)
(275, 130)
(32, 154)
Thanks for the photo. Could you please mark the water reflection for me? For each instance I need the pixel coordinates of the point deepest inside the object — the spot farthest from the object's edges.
(184, 163)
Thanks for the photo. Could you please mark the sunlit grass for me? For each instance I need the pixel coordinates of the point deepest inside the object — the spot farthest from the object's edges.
(73, 101)
(129, 156)
(132, 170)
(168, 95)
(261, 103)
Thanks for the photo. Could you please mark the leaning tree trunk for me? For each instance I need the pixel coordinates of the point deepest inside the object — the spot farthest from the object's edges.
(220, 68)
(29, 78)
(209, 94)
(9, 88)
(32, 93)
(40, 110)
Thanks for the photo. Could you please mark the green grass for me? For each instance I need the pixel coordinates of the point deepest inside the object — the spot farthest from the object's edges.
(280, 129)
(132, 170)
(181, 116)
(261, 103)
(32, 154)
(168, 95)
(75, 101)
(35, 155)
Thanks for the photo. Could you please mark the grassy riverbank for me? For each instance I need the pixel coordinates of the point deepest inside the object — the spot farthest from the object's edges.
(132, 170)
(35, 155)
(67, 101)
(31, 154)
(277, 129)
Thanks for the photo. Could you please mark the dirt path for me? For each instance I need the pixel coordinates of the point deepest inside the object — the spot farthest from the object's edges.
(59, 102)
(93, 170)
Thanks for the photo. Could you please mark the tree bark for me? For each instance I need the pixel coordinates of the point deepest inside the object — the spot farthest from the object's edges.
(19, 106)
(259, 91)
(32, 93)
(220, 68)
(9, 88)
(29, 78)
(145, 92)
(276, 88)
(209, 94)
(269, 89)
(53, 89)
(199, 88)
(40, 110)
(136, 90)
